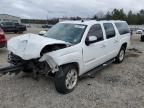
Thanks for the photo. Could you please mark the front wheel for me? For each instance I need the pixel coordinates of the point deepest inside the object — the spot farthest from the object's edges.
(66, 79)
(120, 57)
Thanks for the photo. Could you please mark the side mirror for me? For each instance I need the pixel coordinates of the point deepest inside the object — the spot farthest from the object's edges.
(90, 40)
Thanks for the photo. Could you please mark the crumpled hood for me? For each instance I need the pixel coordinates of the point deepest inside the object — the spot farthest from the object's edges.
(29, 46)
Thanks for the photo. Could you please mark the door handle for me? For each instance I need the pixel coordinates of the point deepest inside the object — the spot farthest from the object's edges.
(116, 41)
(103, 46)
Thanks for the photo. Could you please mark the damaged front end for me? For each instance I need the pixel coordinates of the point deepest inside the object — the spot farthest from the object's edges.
(35, 67)
(43, 65)
(30, 55)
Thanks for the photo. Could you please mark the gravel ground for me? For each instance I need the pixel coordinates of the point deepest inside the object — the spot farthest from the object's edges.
(116, 86)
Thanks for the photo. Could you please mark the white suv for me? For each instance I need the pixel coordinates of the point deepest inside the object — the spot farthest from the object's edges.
(70, 49)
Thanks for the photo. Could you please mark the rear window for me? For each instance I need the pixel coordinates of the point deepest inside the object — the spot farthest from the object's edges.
(109, 29)
(7, 23)
(122, 28)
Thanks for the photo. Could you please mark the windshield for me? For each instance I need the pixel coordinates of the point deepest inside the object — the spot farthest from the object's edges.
(71, 33)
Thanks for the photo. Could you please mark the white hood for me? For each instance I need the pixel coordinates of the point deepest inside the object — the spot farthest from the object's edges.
(29, 46)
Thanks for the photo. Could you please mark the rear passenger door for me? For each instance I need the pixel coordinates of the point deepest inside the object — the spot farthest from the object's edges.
(111, 40)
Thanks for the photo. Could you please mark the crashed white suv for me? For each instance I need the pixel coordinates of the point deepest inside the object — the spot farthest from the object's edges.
(70, 49)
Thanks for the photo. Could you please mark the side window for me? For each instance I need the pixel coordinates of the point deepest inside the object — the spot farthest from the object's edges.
(122, 28)
(109, 29)
(96, 30)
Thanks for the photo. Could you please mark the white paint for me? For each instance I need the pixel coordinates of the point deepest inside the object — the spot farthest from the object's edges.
(139, 31)
(29, 46)
(42, 32)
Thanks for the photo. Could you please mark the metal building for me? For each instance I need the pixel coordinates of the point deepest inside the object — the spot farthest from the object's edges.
(9, 18)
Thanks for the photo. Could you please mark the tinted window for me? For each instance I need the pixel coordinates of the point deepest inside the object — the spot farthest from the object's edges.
(96, 30)
(122, 28)
(7, 23)
(16, 24)
(109, 29)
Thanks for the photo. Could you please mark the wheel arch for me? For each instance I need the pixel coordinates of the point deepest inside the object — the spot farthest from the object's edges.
(124, 45)
(76, 64)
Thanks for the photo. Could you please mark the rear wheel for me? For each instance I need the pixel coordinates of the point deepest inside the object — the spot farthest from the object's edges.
(120, 57)
(66, 79)
(142, 38)
(15, 31)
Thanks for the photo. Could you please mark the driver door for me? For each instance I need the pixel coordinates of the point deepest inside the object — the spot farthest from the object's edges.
(94, 53)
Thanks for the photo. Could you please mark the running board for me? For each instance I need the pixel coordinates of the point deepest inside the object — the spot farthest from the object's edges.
(91, 73)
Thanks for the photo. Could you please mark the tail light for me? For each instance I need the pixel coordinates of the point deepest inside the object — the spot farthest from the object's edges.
(2, 35)
(1, 32)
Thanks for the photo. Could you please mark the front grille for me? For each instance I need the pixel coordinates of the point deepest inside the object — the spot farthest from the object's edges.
(14, 59)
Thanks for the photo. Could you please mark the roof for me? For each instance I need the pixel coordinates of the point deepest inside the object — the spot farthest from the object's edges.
(10, 15)
(90, 22)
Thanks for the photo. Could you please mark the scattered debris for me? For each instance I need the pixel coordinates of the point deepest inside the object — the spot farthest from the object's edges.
(89, 84)
(135, 50)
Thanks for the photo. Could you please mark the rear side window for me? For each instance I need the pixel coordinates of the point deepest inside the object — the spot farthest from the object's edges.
(7, 23)
(109, 29)
(122, 28)
(96, 30)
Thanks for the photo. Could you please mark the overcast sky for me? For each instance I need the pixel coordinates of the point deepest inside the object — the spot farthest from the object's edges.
(60, 8)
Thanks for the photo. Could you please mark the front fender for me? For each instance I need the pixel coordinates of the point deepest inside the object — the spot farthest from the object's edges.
(60, 58)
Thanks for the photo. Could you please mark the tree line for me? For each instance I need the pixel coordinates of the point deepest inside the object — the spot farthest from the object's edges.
(116, 14)
(119, 14)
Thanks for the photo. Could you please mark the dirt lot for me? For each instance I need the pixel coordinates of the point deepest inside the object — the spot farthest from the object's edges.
(116, 86)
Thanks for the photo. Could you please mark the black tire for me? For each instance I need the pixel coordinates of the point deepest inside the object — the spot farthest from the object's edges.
(16, 32)
(61, 77)
(119, 58)
(142, 38)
